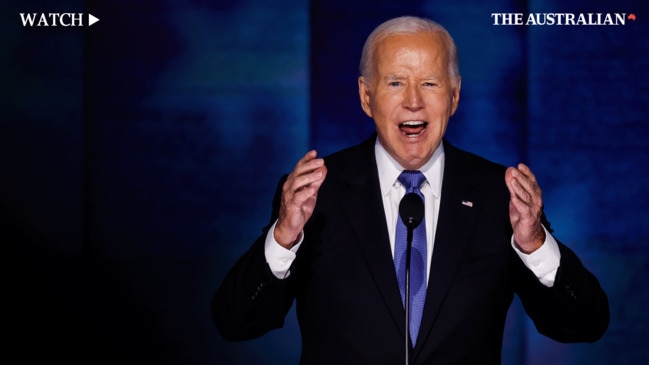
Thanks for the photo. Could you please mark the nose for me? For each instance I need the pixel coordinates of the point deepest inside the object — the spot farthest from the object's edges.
(412, 99)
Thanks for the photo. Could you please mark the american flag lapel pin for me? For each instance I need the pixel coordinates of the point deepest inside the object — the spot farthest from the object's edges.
(467, 203)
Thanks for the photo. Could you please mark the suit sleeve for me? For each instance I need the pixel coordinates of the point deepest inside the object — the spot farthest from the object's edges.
(251, 300)
(575, 309)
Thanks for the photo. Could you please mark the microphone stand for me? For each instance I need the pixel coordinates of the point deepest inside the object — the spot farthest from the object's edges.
(410, 228)
(411, 212)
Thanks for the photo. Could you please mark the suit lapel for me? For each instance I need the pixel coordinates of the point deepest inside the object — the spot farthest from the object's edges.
(363, 206)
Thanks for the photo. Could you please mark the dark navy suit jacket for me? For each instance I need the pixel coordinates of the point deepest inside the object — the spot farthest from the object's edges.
(344, 283)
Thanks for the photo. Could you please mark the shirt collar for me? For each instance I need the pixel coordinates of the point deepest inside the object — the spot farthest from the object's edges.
(389, 169)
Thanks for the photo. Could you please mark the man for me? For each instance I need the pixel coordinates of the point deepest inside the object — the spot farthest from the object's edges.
(334, 243)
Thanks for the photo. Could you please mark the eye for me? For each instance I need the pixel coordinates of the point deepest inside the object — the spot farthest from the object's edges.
(429, 84)
(394, 83)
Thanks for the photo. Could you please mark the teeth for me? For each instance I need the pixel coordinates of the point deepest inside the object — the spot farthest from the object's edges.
(413, 123)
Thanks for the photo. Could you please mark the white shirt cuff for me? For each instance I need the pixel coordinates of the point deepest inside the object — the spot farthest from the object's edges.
(543, 262)
(279, 259)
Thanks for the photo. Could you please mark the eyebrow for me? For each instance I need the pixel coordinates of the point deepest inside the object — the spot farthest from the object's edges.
(397, 77)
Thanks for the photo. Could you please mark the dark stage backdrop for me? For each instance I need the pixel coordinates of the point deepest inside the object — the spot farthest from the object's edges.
(120, 142)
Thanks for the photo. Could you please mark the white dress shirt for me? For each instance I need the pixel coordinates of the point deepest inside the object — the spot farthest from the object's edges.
(543, 262)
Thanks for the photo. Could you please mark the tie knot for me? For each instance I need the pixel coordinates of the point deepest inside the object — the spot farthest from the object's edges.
(412, 179)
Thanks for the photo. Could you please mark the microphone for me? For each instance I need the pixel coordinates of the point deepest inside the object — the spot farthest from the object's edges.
(411, 212)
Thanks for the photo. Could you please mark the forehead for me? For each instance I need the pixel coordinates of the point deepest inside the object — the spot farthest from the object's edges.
(418, 49)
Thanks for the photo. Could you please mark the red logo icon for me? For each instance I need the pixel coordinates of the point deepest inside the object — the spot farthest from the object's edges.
(631, 17)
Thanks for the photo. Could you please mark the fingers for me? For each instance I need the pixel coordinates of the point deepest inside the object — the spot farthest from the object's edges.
(307, 176)
(523, 185)
(526, 178)
(299, 195)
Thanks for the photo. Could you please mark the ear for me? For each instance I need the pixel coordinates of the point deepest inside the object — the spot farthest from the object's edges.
(364, 94)
(455, 98)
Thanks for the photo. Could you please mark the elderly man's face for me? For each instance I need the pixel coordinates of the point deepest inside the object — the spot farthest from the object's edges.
(411, 96)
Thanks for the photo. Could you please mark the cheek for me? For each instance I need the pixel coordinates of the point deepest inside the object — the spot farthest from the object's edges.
(441, 107)
(390, 109)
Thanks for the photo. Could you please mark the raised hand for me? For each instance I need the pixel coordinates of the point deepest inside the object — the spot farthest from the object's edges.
(525, 208)
(299, 195)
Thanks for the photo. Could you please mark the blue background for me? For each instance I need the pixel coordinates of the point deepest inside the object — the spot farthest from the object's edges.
(117, 213)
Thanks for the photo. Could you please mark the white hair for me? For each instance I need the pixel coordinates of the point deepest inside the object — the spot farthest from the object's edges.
(407, 25)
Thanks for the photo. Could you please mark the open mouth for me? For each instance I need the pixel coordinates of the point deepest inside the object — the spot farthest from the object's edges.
(413, 128)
